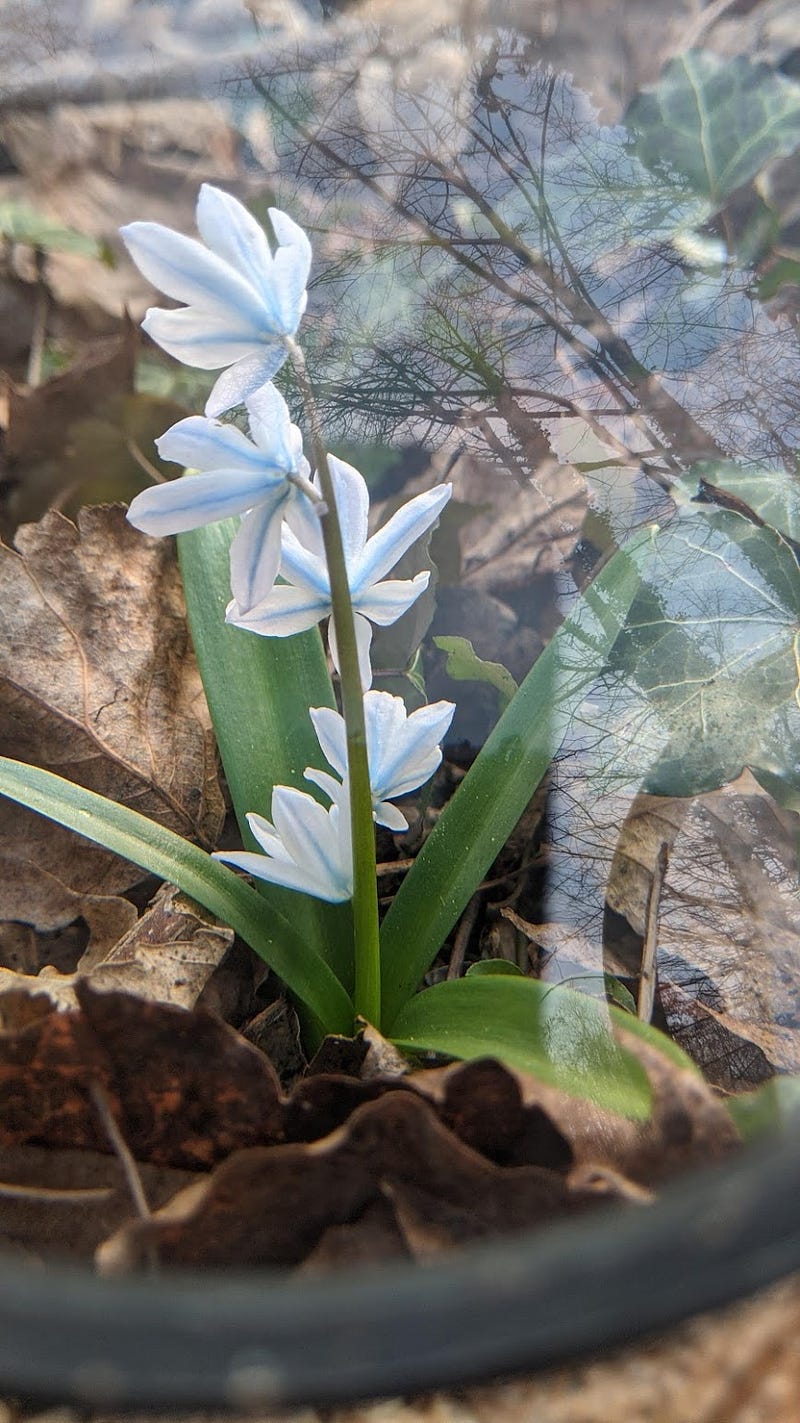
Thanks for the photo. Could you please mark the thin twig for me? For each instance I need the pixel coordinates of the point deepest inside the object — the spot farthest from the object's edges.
(121, 1149)
(648, 975)
(54, 1195)
(463, 936)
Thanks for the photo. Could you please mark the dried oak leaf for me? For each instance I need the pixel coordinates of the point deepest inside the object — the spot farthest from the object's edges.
(168, 955)
(97, 683)
(185, 1088)
(272, 1205)
(728, 959)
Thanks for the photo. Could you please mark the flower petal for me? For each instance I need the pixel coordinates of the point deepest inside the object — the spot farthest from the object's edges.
(332, 736)
(304, 524)
(390, 816)
(195, 500)
(284, 873)
(389, 544)
(383, 603)
(184, 269)
(301, 566)
(352, 502)
(291, 236)
(256, 550)
(232, 232)
(363, 645)
(285, 612)
(197, 443)
(272, 429)
(199, 337)
(265, 833)
(311, 834)
(326, 783)
(244, 378)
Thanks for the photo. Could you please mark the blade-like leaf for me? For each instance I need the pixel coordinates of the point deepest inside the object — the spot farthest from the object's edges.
(259, 691)
(478, 820)
(716, 121)
(162, 852)
(562, 1037)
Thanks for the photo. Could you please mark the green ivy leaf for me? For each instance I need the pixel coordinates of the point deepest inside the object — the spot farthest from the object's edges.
(715, 121)
(771, 493)
(708, 661)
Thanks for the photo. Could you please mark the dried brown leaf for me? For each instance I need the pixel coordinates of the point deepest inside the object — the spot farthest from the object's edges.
(728, 959)
(98, 684)
(167, 956)
(71, 1229)
(271, 1206)
(186, 1089)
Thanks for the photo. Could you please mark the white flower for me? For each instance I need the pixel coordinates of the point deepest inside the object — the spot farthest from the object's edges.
(240, 476)
(304, 598)
(307, 848)
(403, 751)
(243, 300)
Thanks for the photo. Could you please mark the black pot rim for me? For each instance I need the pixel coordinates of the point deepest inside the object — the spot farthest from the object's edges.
(221, 1340)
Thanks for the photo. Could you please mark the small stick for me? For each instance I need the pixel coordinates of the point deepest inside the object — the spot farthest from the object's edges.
(647, 972)
(126, 1160)
(54, 1195)
(463, 936)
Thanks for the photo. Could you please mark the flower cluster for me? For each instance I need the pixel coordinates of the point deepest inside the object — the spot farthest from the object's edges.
(243, 303)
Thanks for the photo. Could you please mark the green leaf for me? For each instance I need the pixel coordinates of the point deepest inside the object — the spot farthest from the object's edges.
(259, 691)
(490, 800)
(772, 493)
(494, 968)
(275, 939)
(464, 665)
(770, 1107)
(709, 659)
(715, 121)
(785, 272)
(560, 1036)
(20, 222)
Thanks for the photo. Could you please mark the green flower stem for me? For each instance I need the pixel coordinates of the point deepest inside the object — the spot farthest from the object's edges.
(365, 884)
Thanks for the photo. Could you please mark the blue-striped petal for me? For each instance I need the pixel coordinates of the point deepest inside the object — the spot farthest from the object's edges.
(352, 503)
(285, 612)
(197, 443)
(256, 550)
(383, 603)
(241, 380)
(185, 270)
(195, 500)
(232, 232)
(389, 544)
(201, 338)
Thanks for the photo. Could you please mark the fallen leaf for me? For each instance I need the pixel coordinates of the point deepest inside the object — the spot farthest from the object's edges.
(185, 1088)
(98, 684)
(67, 1229)
(688, 1125)
(728, 959)
(271, 1206)
(167, 956)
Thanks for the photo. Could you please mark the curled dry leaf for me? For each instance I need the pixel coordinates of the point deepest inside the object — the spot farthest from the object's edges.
(167, 956)
(98, 684)
(185, 1088)
(728, 959)
(516, 1117)
(271, 1206)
